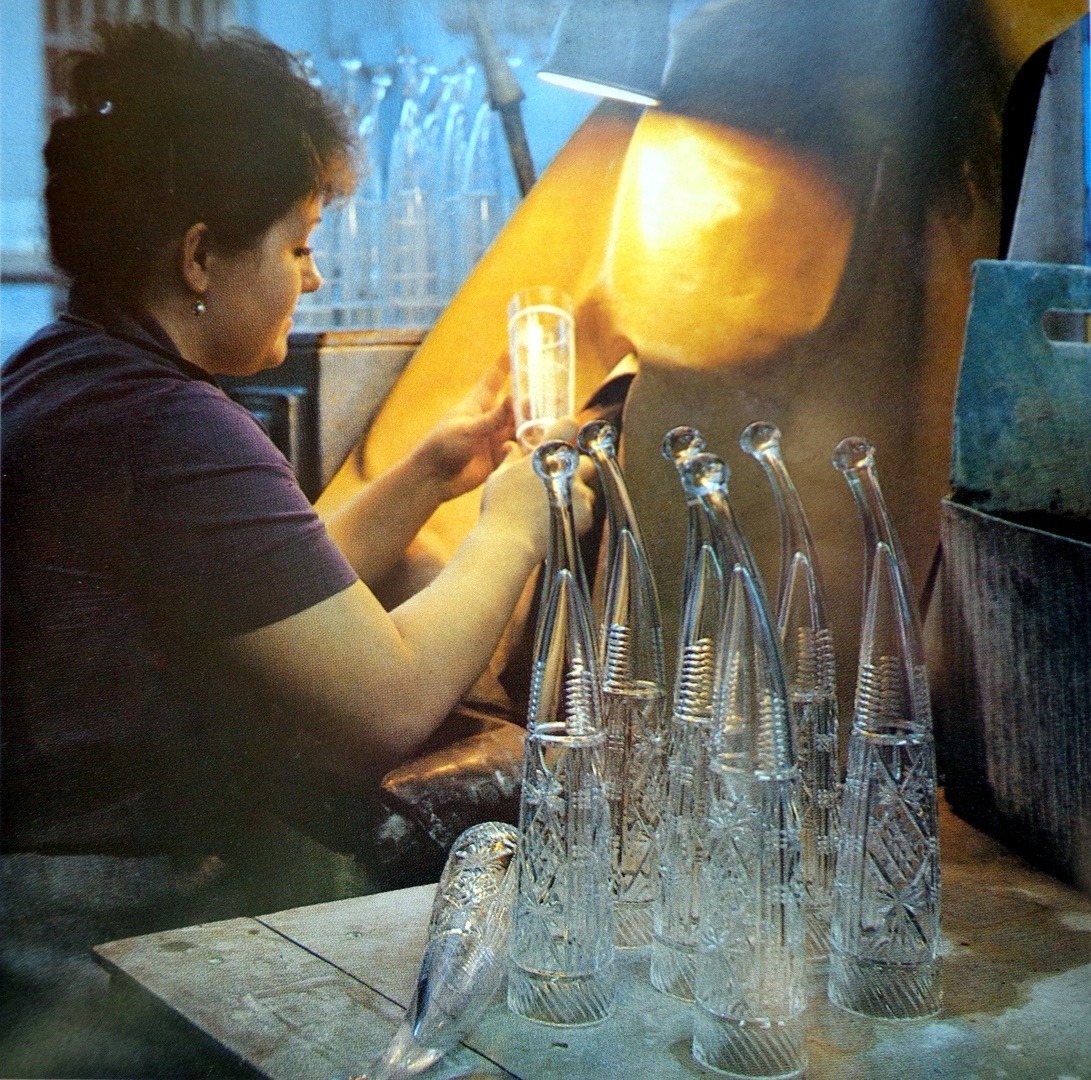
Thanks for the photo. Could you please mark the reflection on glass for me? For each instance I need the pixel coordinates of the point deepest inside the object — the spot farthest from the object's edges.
(542, 346)
(681, 834)
(466, 952)
(750, 963)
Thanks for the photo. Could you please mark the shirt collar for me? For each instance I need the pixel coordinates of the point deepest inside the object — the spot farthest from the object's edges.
(128, 323)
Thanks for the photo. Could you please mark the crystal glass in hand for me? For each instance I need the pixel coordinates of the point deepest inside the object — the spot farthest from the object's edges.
(681, 834)
(562, 950)
(630, 657)
(750, 964)
(542, 346)
(807, 646)
(464, 959)
(886, 915)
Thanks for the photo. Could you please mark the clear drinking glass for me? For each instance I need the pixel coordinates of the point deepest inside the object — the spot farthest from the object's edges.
(410, 276)
(489, 191)
(562, 948)
(362, 217)
(630, 645)
(454, 143)
(465, 955)
(681, 835)
(750, 988)
(542, 345)
(886, 915)
(807, 646)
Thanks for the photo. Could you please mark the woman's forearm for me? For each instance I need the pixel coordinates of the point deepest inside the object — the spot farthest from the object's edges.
(375, 527)
(452, 628)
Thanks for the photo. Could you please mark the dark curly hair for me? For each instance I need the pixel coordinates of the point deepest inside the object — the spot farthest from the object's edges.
(168, 130)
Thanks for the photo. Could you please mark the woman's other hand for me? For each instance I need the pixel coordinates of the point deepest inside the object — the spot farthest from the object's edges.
(515, 496)
(460, 452)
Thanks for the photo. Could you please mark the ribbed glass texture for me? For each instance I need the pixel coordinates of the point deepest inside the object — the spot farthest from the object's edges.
(750, 982)
(630, 652)
(807, 646)
(886, 920)
(680, 838)
(750, 963)
(562, 949)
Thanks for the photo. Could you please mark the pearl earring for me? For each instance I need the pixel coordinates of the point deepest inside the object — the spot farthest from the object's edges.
(199, 307)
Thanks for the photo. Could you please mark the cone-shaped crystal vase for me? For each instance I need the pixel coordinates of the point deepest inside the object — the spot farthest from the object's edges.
(807, 647)
(562, 947)
(630, 645)
(680, 839)
(750, 985)
(886, 915)
(466, 953)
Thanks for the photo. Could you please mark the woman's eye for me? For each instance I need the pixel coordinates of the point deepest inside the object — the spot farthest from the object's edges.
(303, 252)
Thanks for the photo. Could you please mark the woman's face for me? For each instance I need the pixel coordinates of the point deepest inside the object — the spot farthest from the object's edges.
(252, 295)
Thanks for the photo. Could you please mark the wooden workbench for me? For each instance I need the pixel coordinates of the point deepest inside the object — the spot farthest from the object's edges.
(316, 992)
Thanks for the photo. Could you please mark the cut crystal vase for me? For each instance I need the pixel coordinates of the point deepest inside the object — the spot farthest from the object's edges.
(750, 986)
(807, 647)
(680, 839)
(886, 914)
(630, 652)
(562, 947)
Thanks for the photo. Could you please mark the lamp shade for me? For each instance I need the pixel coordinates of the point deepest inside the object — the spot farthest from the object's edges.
(614, 48)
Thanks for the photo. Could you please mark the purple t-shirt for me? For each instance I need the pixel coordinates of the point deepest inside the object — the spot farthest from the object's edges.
(145, 516)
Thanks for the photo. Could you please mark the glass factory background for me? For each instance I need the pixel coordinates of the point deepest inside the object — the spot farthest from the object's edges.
(333, 35)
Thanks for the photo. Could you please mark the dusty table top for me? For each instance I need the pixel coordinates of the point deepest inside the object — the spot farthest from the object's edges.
(316, 992)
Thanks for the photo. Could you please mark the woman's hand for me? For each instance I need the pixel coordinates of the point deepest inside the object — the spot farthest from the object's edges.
(460, 452)
(515, 495)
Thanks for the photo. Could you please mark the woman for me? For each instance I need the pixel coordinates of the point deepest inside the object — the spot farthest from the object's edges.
(188, 651)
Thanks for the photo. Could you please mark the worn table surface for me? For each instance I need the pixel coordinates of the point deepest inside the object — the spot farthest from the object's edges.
(317, 991)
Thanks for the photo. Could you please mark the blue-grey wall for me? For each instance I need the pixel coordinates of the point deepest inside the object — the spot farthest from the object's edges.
(22, 110)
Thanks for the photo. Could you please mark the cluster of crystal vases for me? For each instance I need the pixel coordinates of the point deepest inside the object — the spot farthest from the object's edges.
(720, 833)
(427, 205)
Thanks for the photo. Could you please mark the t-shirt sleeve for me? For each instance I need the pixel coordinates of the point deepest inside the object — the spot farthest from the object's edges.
(223, 538)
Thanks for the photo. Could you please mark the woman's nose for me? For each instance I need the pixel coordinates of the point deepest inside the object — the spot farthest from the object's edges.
(312, 279)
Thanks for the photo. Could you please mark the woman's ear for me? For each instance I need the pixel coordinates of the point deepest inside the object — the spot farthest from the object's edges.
(196, 247)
